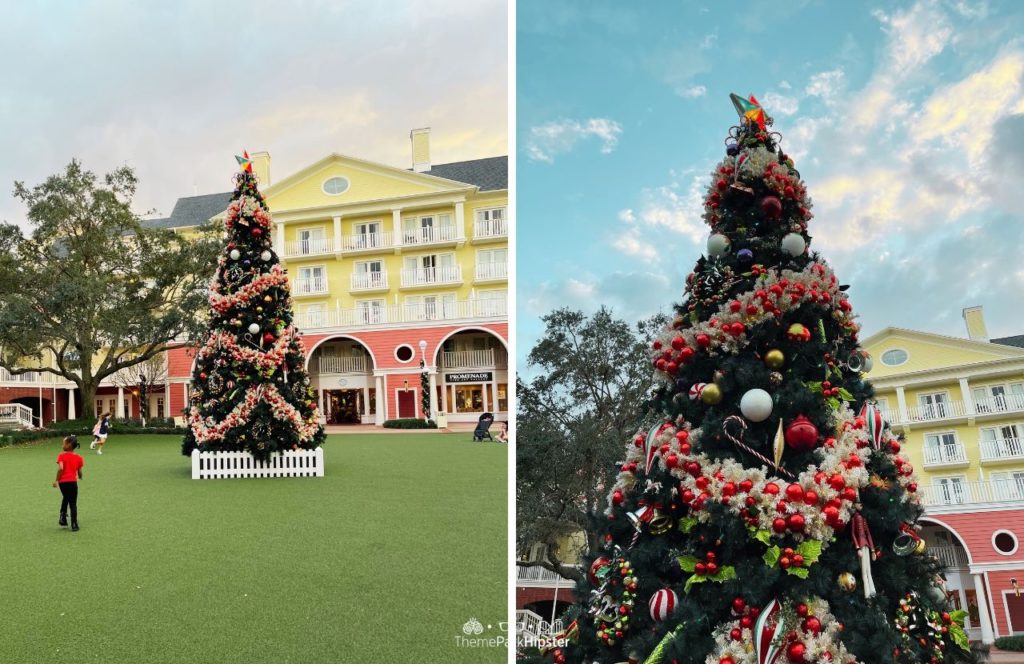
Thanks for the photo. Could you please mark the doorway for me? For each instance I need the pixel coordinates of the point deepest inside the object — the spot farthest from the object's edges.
(343, 406)
(406, 403)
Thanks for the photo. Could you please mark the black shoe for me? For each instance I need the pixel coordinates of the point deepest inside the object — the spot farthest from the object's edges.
(63, 523)
(74, 526)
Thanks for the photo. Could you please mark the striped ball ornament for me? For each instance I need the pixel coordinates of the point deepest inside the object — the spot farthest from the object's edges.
(695, 390)
(662, 604)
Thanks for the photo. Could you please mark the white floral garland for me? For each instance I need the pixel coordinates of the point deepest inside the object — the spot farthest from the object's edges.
(266, 360)
(246, 207)
(223, 303)
(208, 430)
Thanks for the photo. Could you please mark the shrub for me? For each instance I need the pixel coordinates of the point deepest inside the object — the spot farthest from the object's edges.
(86, 424)
(84, 433)
(1011, 643)
(410, 423)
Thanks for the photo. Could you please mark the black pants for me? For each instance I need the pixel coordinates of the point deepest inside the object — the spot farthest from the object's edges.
(70, 492)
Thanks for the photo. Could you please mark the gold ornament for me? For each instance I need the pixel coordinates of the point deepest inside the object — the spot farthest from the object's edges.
(268, 299)
(711, 395)
(780, 443)
(774, 358)
(660, 524)
(920, 547)
(848, 582)
(775, 377)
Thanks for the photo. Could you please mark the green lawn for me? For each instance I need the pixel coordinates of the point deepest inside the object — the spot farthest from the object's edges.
(382, 560)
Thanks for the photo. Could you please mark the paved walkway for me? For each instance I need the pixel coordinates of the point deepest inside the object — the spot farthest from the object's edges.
(372, 428)
(997, 656)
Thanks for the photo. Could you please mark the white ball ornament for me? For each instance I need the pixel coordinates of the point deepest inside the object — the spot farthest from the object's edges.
(794, 244)
(253, 328)
(235, 254)
(868, 363)
(718, 244)
(756, 405)
(265, 256)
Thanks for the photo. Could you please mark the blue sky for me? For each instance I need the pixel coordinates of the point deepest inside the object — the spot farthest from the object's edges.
(176, 89)
(906, 120)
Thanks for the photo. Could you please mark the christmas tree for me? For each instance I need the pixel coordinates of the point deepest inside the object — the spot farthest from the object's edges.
(250, 390)
(768, 516)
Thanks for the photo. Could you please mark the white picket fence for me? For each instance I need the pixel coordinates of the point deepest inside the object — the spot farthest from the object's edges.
(292, 463)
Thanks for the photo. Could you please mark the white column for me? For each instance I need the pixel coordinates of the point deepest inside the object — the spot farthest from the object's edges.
(120, 403)
(494, 391)
(901, 398)
(279, 239)
(396, 225)
(167, 398)
(965, 389)
(433, 393)
(337, 234)
(320, 403)
(379, 398)
(460, 221)
(71, 403)
(363, 416)
(53, 404)
(986, 623)
(444, 397)
(486, 400)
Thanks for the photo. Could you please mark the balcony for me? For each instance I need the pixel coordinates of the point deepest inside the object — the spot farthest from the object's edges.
(538, 576)
(367, 242)
(936, 456)
(307, 287)
(1002, 449)
(312, 247)
(430, 235)
(342, 365)
(1006, 403)
(432, 276)
(369, 281)
(30, 377)
(462, 310)
(490, 229)
(953, 557)
(489, 358)
(951, 496)
(935, 412)
(491, 272)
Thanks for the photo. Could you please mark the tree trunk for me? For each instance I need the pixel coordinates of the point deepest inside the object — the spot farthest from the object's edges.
(88, 389)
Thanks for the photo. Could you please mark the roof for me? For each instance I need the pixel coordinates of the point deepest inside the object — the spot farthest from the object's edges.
(1017, 341)
(490, 173)
(192, 211)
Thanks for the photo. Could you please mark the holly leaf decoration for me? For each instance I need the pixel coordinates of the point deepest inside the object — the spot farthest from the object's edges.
(833, 403)
(772, 555)
(763, 536)
(810, 550)
(959, 636)
(687, 563)
(692, 580)
(845, 395)
(814, 386)
(687, 523)
(958, 616)
(801, 572)
(724, 574)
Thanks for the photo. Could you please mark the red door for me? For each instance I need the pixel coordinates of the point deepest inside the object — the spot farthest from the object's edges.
(407, 403)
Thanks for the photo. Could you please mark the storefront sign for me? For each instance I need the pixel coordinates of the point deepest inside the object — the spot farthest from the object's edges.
(469, 377)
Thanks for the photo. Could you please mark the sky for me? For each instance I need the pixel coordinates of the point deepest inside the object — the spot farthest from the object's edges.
(905, 119)
(176, 89)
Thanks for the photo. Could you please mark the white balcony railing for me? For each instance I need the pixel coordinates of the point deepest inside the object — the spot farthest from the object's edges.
(30, 377)
(963, 493)
(425, 276)
(487, 228)
(341, 365)
(403, 313)
(314, 286)
(1002, 449)
(367, 242)
(1005, 403)
(938, 411)
(953, 557)
(944, 455)
(16, 415)
(311, 247)
(369, 281)
(429, 235)
(540, 574)
(489, 271)
(474, 359)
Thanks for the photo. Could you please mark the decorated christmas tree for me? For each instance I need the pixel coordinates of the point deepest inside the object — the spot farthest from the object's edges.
(250, 390)
(769, 515)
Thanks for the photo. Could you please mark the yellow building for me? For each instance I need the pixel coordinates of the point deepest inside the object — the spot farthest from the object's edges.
(959, 404)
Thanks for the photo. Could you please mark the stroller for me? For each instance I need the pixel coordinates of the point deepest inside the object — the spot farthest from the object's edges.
(482, 428)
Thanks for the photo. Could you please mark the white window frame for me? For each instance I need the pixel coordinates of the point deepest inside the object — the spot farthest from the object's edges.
(315, 312)
(348, 185)
(949, 481)
(371, 311)
(946, 451)
(315, 233)
(939, 407)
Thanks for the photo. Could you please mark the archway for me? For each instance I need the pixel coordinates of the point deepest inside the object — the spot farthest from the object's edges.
(340, 369)
(472, 374)
(949, 547)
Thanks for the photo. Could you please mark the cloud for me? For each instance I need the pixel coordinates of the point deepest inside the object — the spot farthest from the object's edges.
(630, 294)
(693, 92)
(545, 142)
(777, 104)
(825, 84)
(916, 35)
(629, 243)
(709, 40)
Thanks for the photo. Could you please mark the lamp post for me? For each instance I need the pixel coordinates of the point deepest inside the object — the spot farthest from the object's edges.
(142, 398)
(424, 382)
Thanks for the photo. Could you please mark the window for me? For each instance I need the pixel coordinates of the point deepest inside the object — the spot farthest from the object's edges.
(1004, 542)
(311, 241)
(951, 490)
(934, 406)
(430, 268)
(112, 409)
(492, 303)
(942, 448)
(312, 279)
(372, 410)
(370, 312)
(368, 235)
(894, 357)
(998, 398)
(428, 228)
(1007, 485)
(503, 397)
(492, 264)
(469, 398)
(99, 407)
(1001, 442)
(491, 223)
(404, 353)
(315, 314)
(431, 307)
(336, 185)
(369, 274)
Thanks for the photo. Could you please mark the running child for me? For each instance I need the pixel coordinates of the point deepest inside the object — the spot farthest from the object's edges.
(99, 433)
(69, 471)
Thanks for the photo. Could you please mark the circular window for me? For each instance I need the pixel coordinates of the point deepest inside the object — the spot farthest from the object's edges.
(336, 185)
(894, 357)
(1004, 542)
(404, 353)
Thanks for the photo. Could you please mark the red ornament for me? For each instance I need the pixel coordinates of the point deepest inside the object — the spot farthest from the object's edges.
(772, 207)
(795, 492)
(268, 338)
(796, 522)
(812, 625)
(257, 231)
(801, 434)
(617, 497)
(795, 652)
(779, 525)
(595, 567)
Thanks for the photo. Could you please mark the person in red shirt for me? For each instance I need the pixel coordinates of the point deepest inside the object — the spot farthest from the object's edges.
(69, 471)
